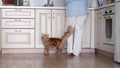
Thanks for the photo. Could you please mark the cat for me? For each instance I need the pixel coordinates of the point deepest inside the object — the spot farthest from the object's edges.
(57, 43)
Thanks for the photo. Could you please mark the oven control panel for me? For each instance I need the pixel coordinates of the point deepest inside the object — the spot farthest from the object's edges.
(110, 10)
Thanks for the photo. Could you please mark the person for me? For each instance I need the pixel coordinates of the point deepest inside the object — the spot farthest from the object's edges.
(76, 13)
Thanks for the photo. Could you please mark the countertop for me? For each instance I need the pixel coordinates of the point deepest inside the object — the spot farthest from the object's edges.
(30, 7)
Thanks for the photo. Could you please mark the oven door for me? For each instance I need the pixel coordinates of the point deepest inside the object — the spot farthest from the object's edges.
(108, 29)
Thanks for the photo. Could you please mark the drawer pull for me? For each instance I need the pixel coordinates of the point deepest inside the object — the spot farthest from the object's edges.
(17, 20)
(53, 17)
(20, 31)
(17, 9)
(15, 30)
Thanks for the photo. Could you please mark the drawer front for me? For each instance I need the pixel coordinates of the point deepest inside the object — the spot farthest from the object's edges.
(17, 13)
(18, 38)
(18, 23)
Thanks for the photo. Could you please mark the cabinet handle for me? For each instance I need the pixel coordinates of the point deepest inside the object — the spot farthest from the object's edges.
(20, 31)
(17, 20)
(15, 30)
(53, 17)
(17, 9)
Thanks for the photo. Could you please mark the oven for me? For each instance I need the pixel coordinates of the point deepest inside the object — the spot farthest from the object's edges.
(109, 26)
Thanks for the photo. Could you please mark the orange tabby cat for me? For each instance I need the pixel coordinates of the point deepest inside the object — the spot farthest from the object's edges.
(57, 43)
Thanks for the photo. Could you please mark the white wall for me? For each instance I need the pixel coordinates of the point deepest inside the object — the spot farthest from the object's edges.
(58, 3)
(38, 3)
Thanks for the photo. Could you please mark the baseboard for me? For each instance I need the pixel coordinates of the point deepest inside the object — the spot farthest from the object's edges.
(10, 50)
(102, 52)
(88, 50)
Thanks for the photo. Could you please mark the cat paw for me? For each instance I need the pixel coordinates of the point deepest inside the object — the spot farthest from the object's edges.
(58, 53)
(46, 54)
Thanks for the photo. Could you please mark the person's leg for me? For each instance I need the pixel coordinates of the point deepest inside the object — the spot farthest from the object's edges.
(71, 22)
(79, 28)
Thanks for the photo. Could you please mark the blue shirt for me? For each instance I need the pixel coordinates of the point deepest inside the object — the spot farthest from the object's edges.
(76, 7)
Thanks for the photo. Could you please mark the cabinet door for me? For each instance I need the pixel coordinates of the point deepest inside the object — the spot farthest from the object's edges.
(43, 25)
(58, 23)
(99, 28)
(17, 38)
(86, 33)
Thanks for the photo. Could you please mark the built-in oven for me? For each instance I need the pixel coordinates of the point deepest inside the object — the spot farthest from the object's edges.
(109, 26)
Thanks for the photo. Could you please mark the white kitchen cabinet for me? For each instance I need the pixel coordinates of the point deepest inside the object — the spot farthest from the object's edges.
(99, 28)
(50, 22)
(86, 34)
(17, 28)
(89, 31)
(58, 23)
(17, 38)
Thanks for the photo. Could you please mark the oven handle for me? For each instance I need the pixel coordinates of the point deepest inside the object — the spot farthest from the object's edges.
(107, 17)
(108, 14)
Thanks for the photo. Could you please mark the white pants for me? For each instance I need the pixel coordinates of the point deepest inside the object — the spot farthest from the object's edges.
(74, 41)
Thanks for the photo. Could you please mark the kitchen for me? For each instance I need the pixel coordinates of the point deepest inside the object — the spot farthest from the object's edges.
(98, 37)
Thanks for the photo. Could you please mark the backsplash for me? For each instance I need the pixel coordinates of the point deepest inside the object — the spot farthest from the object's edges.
(58, 3)
(34, 3)
(37, 3)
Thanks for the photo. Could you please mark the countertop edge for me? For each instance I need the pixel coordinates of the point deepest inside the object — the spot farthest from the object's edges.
(29, 7)
(63, 8)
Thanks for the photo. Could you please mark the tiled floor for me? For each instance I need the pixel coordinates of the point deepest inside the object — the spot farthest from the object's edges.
(54, 61)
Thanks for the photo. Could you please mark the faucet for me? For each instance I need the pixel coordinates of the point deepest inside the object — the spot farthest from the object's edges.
(48, 4)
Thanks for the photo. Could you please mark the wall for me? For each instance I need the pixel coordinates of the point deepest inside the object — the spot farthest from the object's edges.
(37, 3)
(57, 3)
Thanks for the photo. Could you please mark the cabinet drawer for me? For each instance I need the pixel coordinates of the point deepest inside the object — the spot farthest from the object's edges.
(18, 23)
(18, 38)
(17, 13)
